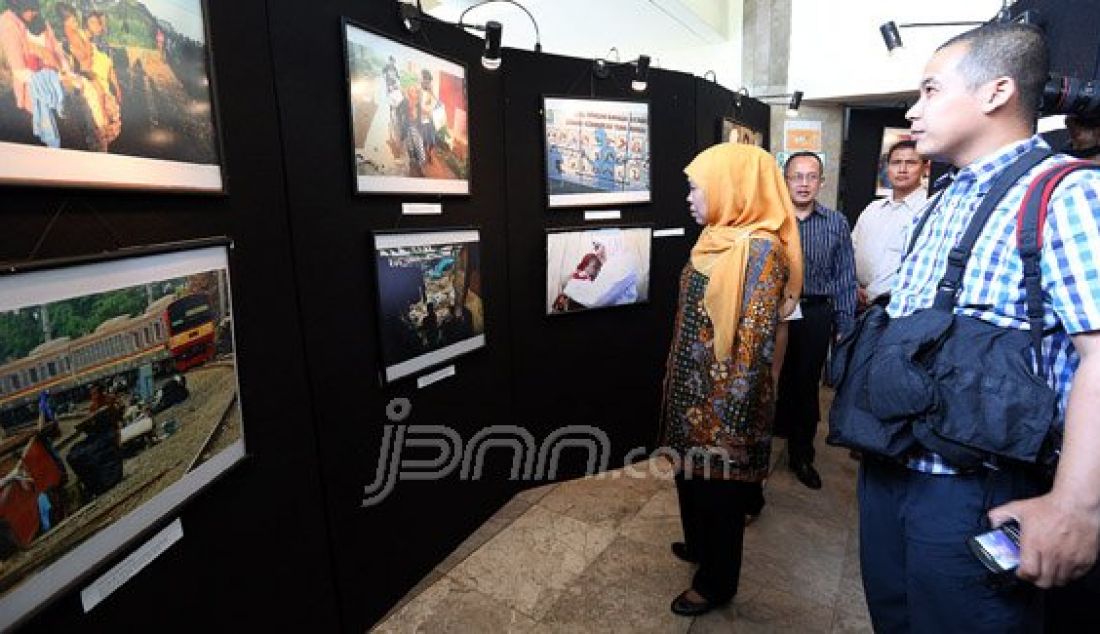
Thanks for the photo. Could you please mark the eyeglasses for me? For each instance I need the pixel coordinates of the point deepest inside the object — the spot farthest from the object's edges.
(804, 178)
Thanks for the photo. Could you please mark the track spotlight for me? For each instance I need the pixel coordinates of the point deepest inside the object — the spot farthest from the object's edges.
(600, 68)
(892, 36)
(795, 104)
(490, 59)
(739, 97)
(410, 16)
(641, 74)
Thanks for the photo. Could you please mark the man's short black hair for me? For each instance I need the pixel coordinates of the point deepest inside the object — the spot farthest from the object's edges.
(1007, 49)
(903, 144)
(791, 158)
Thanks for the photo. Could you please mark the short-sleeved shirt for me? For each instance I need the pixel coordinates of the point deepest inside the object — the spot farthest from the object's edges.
(879, 240)
(993, 285)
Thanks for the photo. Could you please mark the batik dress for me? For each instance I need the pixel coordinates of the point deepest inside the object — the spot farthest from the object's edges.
(717, 415)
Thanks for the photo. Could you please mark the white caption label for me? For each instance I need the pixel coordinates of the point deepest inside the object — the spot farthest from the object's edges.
(435, 377)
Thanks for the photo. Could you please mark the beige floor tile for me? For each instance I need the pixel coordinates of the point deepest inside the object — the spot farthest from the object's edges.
(591, 555)
(535, 494)
(449, 606)
(425, 583)
(601, 501)
(766, 610)
(852, 623)
(528, 564)
(627, 588)
(483, 534)
(513, 509)
(664, 503)
(658, 532)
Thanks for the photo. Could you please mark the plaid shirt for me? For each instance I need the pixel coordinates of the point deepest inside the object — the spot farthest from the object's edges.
(993, 285)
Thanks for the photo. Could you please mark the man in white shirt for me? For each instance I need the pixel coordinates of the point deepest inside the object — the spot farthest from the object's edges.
(879, 236)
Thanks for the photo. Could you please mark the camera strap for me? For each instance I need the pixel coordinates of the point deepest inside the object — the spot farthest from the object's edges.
(1029, 242)
(948, 288)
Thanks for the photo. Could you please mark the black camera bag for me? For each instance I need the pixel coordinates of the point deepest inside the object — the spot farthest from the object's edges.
(953, 384)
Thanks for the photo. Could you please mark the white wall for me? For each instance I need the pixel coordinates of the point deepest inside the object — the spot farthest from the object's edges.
(837, 50)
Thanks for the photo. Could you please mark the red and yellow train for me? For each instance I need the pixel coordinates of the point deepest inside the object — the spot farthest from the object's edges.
(173, 333)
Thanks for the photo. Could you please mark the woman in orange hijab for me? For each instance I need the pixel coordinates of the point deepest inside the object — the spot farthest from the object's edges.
(744, 277)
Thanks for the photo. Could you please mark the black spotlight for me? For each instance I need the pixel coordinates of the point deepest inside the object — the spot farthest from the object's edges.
(891, 35)
(490, 59)
(410, 16)
(600, 68)
(795, 104)
(641, 74)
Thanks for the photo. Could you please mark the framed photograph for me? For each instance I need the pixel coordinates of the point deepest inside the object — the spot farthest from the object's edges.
(733, 131)
(409, 117)
(597, 151)
(588, 269)
(116, 95)
(430, 301)
(118, 401)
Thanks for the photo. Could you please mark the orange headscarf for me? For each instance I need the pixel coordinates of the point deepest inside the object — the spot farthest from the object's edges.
(746, 197)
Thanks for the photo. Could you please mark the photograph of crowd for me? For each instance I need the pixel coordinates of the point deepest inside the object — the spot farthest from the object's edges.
(409, 117)
(736, 132)
(107, 93)
(597, 268)
(429, 296)
(597, 151)
(117, 381)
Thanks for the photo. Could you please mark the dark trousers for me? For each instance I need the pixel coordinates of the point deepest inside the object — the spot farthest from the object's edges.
(712, 512)
(918, 572)
(796, 407)
(1075, 608)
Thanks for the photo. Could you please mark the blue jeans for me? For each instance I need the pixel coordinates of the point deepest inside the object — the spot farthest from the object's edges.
(918, 572)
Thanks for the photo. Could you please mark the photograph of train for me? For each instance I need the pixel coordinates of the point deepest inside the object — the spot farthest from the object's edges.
(117, 380)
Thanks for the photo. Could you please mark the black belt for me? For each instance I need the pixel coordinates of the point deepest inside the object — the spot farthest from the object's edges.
(809, 300)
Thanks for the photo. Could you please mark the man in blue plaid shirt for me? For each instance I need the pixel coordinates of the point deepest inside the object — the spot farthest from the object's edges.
(977, 110)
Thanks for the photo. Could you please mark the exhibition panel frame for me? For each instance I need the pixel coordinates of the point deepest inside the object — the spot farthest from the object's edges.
(596, 151)
(408, 114)
(119, 401)
(596, 268)
(430, 303)
(731, 130)
(129, 101)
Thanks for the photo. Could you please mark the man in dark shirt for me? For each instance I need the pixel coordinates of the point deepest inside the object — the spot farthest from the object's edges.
(828, 308)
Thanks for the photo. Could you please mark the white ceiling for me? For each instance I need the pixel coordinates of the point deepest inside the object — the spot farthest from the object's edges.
(589, 28)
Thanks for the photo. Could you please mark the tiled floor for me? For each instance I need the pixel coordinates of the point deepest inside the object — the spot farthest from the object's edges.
(592, 555)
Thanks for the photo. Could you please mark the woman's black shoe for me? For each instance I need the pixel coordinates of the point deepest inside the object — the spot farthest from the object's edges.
(684, 607)
(680, 549)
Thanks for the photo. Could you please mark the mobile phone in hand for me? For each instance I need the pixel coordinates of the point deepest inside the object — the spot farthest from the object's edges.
(998, 549)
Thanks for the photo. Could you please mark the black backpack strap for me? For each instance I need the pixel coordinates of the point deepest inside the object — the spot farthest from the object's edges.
(931, 209)
(949, 286)
(1029, 241)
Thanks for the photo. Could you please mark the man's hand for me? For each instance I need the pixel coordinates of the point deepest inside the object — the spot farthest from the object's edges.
(1060, 531)
(1058, 539)
(861, 298)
